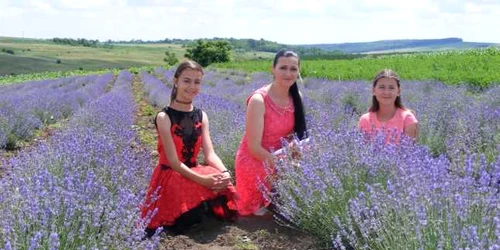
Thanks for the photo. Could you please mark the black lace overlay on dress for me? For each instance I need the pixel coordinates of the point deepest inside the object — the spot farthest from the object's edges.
(186, 125)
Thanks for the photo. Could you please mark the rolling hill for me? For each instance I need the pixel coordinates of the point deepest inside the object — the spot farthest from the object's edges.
(402, 45)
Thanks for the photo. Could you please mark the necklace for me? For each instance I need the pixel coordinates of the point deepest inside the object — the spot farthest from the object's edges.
(181, 102)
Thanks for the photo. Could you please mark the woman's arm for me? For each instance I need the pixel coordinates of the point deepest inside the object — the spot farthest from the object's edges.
(254, 128)
(364, 123)
(164, 124)
(411, 130)
(411, 124)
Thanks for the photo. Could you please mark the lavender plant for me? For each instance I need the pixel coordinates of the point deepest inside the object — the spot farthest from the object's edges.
(83, 188)
(30, 106)
(224, 116)
(158, 94)
(367, 195)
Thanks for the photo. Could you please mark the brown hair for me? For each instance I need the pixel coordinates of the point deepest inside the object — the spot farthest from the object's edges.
(183, 66)
(386, 73)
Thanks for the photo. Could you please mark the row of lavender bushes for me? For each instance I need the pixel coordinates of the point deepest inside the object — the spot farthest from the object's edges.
(29, 106)
(351, 193)
(82, 188)
(438, 193)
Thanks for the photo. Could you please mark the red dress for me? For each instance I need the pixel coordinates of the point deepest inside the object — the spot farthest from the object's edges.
(278, 123)
(170, 194)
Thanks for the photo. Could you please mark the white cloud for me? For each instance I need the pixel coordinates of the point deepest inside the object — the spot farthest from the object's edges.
(44, 7)
(10, 12)
(89, 4)
(284, 21)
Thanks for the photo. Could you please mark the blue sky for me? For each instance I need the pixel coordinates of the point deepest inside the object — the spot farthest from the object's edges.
(283, 21)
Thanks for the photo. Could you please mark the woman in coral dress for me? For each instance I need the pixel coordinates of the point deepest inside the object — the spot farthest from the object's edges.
(273, 112)
(387, 114)
(181, 190)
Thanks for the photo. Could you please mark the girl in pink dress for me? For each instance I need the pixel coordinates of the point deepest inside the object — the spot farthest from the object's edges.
(387, 114)
(273, 112)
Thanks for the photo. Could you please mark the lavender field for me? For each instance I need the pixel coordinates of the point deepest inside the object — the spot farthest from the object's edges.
(81, 188)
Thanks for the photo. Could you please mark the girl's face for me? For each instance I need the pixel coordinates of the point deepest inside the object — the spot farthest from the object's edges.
(386, 91)
(286, 70)
(188, 84)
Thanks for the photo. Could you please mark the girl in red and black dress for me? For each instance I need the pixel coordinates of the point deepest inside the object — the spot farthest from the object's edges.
(181, 190)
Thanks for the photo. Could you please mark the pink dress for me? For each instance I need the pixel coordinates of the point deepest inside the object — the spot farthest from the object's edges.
(278, 123)
(370, 124)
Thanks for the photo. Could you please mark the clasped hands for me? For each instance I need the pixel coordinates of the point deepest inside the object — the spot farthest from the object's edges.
(218, 182)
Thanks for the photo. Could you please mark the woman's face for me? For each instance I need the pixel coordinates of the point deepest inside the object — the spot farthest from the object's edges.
(286, 70)
(188, 84)
(386, 91)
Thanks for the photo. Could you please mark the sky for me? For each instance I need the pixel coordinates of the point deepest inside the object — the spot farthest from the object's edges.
(282, 21)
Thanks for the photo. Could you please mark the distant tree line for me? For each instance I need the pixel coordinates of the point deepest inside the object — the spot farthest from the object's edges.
(169, 41)
(251, 45)
(83, 42)
(233, 44)
(238, 45)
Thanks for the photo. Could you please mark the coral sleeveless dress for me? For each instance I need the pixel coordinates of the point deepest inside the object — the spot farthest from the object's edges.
(170, 194)
(393, 128)
(250, 172)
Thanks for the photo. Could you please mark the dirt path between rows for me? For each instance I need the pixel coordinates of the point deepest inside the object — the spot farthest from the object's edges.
(248, 233)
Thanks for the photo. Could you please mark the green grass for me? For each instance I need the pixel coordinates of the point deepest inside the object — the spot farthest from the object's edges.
(477, 67)
(249, 55)
(33, 56)
(38, 55)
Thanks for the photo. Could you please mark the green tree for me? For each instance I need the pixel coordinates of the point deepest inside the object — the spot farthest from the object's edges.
(170, 58)
(207, 52)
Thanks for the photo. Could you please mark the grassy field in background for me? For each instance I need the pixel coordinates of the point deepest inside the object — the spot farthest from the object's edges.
(34, 56)
(478, 67)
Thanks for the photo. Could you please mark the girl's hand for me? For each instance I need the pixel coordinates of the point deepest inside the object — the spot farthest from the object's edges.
(215, 181)
(227, 174)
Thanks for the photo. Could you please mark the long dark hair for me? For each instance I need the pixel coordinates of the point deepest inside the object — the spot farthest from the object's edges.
(386, 73)
(183, 66)
(300, 121)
